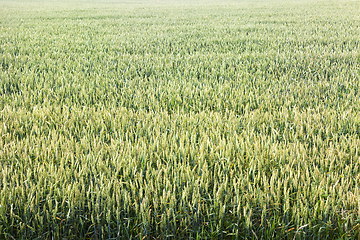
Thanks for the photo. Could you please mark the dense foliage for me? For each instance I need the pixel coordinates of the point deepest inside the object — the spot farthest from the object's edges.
(179, 120)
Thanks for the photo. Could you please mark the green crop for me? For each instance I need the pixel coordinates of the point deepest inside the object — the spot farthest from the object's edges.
(181, 119)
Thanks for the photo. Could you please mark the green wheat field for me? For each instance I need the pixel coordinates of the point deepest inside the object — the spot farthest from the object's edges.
(176, 119)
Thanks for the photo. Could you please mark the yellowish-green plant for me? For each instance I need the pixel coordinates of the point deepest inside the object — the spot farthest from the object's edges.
(179, 120)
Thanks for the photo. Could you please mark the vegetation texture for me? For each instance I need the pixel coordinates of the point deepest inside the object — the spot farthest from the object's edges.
(153, 120)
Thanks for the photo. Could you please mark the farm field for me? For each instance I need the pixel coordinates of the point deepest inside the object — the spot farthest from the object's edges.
(179, 119)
